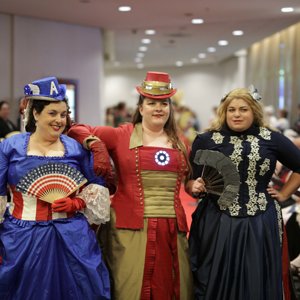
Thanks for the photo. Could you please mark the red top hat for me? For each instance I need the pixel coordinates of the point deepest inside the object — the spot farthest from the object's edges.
(157, 85)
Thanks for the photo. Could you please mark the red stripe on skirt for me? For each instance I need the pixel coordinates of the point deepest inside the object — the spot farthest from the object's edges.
(161, 278)
(43, 210)
(18, 203)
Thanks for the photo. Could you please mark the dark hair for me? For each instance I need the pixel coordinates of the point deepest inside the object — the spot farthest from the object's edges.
(2, 103)
(170, 128)
(38, 106)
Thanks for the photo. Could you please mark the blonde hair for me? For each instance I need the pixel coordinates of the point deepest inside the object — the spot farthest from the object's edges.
(240, 93)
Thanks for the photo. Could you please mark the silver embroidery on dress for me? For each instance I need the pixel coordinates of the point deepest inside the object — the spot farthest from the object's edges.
(279, 218)
(265, 133)
(236, 158)
(217, 137)
(264, 167)
(252, 205)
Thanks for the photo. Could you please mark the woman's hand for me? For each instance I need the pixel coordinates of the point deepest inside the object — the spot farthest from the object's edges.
(276, 194)
(196, 187)
(68, 205)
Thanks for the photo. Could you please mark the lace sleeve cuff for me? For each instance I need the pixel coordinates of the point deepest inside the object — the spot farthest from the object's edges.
(3, 202)
(96, 198)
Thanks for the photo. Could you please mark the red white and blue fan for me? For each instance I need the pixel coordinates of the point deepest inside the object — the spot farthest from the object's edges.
(51, 181)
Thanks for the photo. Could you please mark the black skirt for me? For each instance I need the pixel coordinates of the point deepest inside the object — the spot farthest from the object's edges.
(235, 258)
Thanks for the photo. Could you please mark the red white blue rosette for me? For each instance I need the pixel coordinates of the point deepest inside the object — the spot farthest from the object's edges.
(162, 157)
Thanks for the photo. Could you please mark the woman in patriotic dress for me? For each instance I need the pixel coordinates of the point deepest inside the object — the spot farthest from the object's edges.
(49, 251)
(145, 242)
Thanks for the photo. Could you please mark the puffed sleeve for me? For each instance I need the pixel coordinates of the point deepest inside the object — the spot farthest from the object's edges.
(3, 181)
(95, 194)
(84, 133)
(287, 152)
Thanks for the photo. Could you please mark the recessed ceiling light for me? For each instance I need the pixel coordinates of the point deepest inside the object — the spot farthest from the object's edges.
(140, 66)
(143, 48)
(202, 55)
(146, 41)
(287, 9)
(211, 49)
(237, 32)
(140, 54)
(150, 31)
(124, 8)
(179, 63)
(197, 21)
(222, 43)
(138, 59)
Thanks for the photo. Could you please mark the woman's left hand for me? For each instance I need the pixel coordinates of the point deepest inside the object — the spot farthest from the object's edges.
(276, 194)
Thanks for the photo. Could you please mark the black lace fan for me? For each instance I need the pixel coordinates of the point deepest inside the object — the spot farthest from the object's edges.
(51, 181)
(219, 174)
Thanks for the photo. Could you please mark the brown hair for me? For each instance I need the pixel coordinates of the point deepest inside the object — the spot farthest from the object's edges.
(38, 106)
(170, 127)
(240, 93)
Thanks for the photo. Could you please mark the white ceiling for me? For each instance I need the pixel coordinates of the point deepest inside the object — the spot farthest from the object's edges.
(176, 38)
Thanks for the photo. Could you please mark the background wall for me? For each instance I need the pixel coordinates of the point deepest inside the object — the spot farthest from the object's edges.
(42, 48)
(200, 87)
(32, 48)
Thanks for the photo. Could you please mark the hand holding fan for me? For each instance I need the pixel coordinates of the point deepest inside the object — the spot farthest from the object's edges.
(51, 181)
(219, 174)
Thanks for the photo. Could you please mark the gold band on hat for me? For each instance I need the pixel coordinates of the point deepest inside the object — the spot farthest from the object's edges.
(156, 87)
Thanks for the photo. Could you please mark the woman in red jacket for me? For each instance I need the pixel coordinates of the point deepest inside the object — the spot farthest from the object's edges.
(145, 246)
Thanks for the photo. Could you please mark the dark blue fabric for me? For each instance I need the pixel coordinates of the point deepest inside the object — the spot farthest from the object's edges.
(236, 255)
(235, 258)
(49, 260)
(58, 259)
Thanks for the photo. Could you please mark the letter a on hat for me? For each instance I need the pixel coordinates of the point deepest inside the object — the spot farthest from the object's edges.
(53, 88)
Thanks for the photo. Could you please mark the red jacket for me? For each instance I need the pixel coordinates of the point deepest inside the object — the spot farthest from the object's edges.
(123, 144)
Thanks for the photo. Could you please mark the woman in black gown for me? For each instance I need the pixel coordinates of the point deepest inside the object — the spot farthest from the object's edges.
(236, 242)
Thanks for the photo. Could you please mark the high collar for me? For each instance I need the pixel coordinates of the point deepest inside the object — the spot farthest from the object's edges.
(136, 139)
(252, 130)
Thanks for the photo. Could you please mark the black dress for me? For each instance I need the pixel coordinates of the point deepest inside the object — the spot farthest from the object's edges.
(236, 248)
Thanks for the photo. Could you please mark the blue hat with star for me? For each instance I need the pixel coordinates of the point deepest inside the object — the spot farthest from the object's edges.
(45, 89)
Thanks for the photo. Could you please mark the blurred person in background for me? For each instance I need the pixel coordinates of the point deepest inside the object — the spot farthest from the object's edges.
(283, 122)
(6, 126)
(270, 117)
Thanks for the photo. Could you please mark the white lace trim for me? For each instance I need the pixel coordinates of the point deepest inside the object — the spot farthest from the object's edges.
(96, 198)
(3, 203)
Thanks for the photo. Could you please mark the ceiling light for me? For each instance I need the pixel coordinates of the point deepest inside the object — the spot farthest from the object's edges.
(237, 32)
(211, 49)
(202, 55)
(146, 41)
(124, 8)
(179, 63)
(138, 59)
(222, 43)
(143, 48)
(194, 60)
(150, 31)
(197, 21)
(140, 54)
(287, 9)
(140, 66)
